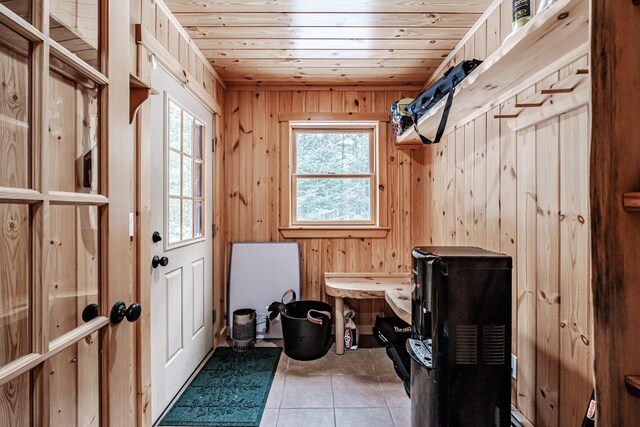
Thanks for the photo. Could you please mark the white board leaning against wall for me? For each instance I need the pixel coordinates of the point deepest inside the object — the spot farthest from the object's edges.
(259, 275)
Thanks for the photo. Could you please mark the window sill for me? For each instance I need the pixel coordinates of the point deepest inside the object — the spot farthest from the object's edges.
(334, 232)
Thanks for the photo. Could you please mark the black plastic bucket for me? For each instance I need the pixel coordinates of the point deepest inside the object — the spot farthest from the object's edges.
(304, 340)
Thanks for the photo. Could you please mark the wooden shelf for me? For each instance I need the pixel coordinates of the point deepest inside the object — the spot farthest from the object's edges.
(139, 92)
(633, 384)
(560, 29)
(631, 202)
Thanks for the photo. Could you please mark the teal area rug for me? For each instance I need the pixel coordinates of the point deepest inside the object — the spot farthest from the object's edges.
(230, 391)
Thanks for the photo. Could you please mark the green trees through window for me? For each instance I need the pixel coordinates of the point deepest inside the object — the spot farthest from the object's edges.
(185, 180)
(333, 175)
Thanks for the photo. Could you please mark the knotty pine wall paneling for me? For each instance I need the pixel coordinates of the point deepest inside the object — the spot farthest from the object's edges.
(525, 194)
(251, 152)
(156, 18)
(485, 37)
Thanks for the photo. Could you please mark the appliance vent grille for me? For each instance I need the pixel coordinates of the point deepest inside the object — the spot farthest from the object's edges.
(493, 344)
(467, 344)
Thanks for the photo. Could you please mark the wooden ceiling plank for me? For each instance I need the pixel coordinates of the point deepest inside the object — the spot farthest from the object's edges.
(297, 42)
(438, 54)
(296, 19)
(341, 6)
(308, 71)
(287, 86)
(230, 64)
(398, 33)
(332, 44)
(327, 80)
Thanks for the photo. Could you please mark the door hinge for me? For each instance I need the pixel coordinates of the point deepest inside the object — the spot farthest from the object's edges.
(213, 230)
(214, 141)
(213, 316)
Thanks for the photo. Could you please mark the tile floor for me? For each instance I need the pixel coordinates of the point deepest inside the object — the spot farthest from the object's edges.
(359, 388)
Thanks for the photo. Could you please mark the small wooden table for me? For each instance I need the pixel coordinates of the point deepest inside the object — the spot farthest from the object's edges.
(395, 288)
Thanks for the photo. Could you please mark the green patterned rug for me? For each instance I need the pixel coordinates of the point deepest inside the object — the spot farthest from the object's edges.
(230, 391)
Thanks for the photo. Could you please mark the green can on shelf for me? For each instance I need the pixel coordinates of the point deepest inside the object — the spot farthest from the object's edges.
(522, 13)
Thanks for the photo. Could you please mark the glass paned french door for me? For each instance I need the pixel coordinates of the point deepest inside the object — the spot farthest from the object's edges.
(52, 148)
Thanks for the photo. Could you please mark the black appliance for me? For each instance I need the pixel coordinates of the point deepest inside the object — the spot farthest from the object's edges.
(461, 338)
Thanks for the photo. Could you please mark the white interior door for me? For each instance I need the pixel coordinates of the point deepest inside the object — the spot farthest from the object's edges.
(181, 212)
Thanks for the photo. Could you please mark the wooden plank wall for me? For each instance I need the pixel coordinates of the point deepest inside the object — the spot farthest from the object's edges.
(251, 188)
(158, 20)
(484, 37)
(525, 194)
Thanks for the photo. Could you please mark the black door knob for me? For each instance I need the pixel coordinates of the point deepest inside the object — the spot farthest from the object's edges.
(156, 261)
(133, 312)
(120, 311)
(155, 237)
(90, 312)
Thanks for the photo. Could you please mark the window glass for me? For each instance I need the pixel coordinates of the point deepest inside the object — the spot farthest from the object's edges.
(73, 376)
(75, 25)
(185, 175)
(74, 261)
(14, 109)
(197, 179)
(332, 153)
(174, 173)
(174, 220)
(175, 130)
(73, 130)
(333, 199)
(15, 305)
(187, 133)
(22, 8)
(16, 402)
(187, 219)
(197, 142)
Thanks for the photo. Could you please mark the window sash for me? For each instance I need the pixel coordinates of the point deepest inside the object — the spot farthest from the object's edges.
(180, 197)
(372, 202)
(372, 176)
(336, 129)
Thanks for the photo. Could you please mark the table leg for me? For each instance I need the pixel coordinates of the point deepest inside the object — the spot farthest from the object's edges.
(339, 317)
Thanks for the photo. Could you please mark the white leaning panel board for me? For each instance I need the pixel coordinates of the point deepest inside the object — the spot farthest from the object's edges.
(260, 273)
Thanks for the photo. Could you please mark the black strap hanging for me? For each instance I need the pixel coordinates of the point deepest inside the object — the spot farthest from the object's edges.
(441, 126)
(445, 86)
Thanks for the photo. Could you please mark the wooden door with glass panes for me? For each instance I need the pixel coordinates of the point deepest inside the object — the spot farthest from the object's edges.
(60, 355)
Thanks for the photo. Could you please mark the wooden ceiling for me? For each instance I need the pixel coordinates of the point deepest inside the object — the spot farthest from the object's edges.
(330, 42)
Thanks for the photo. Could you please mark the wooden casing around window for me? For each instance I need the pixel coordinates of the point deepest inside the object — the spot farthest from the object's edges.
(376, 124)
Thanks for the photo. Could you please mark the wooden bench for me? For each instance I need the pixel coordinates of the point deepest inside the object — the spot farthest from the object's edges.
(395, 288)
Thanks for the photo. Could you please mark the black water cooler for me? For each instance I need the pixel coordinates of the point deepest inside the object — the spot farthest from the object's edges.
(461, 338)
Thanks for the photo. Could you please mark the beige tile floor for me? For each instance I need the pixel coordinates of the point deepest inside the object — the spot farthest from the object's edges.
(359, 388)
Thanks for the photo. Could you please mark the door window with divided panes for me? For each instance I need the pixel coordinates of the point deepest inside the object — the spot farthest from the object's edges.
(51, 203)
(184, 217)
